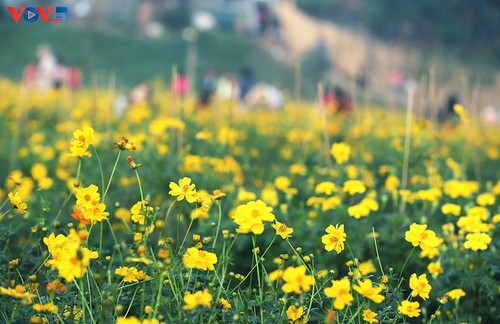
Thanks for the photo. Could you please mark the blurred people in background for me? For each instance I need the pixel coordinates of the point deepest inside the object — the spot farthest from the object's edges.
(246, 82)
(51, 72)
(46, 68)
(180, 84)
(227, 87)
(139, 94)
(447, 113)
(337, 100)
(208, 88)
(263, 95)
(490, 116)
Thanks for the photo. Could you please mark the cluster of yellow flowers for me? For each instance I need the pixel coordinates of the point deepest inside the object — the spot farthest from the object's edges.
(69, 256)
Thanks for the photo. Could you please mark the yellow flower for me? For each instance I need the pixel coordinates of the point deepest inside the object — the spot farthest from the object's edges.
(456, 188)
(276, 274)
(17, 202)
(340, 152)
(353, 187)
(296, 280)
(485, 199)
(330, 203)
(341, 292)
(224, 303)
(435, 268)
(335, 238)
(270, 196)
(419, 235)
(38, 171)
(124, 144)
(298, 169)
(82, 140)
(46, 308)
(410, 309)
(456, 294)
(420, 286)
(326, 187)
(73, 262)
(358, 211)
(461, 112)
(477, 241)
(139, 211)
(451, 209)
(68, 256)
(282, 230)
(128, 320)
(183, 190)
(392, 183)
(369, 316)
(88, 200)
(282, 183)
(366, 289)
(250, 217)
(472, 224)
(19, 292)
(131, 274)
(294, 313)
(200, 259)
(199, 298)
(364, 269)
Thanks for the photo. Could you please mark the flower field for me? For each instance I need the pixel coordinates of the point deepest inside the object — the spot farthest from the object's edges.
(169, 214)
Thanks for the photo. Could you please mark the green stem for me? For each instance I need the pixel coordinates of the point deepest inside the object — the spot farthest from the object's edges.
(139, 183)
(251, 270)
(404, 265)
(112, 174)
(100, 169)
(261, 296)
(376, 252)
(85, 305)
(218, 224)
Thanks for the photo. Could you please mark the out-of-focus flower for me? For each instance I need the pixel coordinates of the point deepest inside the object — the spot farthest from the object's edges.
(296, 280)
(199, 298)
(340, 291)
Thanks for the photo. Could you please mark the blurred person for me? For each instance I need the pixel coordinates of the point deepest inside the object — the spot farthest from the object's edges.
(46, 68)
(246, 82)
(180, 84)
(60, 75)
(447, 113)
(263, 17)
(342, 101)
(139, 94)
(227, 87)
(208, 88)
(74, 78)
(29, 75)
(490, 116)
(264, 95)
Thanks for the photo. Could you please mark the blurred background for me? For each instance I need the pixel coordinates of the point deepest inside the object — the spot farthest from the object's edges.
(369, 48)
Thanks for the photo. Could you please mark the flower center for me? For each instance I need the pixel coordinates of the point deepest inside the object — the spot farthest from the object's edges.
(255, 213)
(185, 188)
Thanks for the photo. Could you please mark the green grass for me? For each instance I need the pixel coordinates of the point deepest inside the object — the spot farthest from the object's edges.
(131, 57)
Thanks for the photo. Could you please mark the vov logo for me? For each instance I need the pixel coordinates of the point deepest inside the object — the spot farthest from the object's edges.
(33, 14)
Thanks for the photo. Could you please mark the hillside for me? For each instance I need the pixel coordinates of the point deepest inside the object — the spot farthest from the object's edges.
(357, 55)
(131, 57)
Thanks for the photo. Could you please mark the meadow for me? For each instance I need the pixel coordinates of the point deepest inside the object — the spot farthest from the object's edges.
(170, 214)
